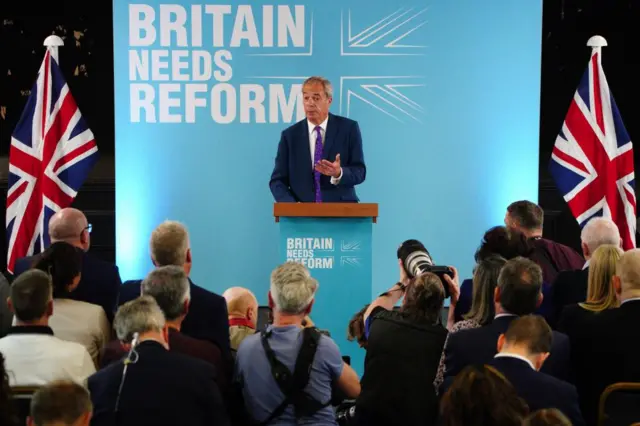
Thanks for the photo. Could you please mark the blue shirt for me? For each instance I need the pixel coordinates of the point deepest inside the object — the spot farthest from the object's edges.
(261, 392)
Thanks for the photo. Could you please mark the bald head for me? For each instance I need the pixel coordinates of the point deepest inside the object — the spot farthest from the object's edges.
(70, 225)
(627, 278)
(599, 231)
(241, 303)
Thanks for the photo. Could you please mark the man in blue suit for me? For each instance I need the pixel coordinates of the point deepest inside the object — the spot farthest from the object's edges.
(319, 159)
(100, 280)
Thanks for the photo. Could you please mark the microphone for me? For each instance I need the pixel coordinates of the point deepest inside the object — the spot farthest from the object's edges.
(132, 358)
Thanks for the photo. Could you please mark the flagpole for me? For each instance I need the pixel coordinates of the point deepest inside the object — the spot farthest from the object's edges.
(53, 42)
(597, 43)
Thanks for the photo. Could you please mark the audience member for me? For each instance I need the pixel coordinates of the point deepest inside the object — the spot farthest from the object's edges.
(157, 386)
(485, 279)
(73, 320)
(169, 287)
(497, 241)
(600, 294)
(481, 396)
(518, 293)
(242, 308)
(553, 257)
(100, 281)
(61, 403)
(207, 317)
(33, 355)
(291, 297)
(547, 417)
(522, 351)
(570, 287)
(7, 411)
(355, 331)
(403, 350)
(612, 345)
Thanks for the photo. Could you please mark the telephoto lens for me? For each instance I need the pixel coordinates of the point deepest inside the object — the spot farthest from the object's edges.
(417, 260)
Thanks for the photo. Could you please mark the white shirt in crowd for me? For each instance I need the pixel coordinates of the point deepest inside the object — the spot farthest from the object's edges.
(35, 357)
(81, 322)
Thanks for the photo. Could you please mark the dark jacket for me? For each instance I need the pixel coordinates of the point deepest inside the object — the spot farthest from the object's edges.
(570, 287)
(99, 283)
(179, 343)
(292, 178)
(478, 346)
(207, 318)
(540, 390)
(160, 388)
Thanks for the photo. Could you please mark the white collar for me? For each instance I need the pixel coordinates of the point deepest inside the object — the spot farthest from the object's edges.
(516, 356)
(586, 265)
(323, 125)
(504, 314)
(630, 300)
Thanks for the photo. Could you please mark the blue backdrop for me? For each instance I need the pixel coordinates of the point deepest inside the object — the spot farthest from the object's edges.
(446, 94)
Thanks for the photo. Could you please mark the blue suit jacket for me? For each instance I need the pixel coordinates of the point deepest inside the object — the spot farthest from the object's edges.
(540, 390)
(99, 283)
(207, 318)
(479, 345)
(161, 388)
(292, 177)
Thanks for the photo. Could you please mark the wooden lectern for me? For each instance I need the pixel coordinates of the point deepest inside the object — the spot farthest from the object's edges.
(334, 242)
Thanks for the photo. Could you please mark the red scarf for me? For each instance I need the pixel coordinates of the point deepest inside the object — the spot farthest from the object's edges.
(241, 322)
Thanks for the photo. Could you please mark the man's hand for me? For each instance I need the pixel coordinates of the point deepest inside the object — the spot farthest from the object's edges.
(328, 168)
(454, 286)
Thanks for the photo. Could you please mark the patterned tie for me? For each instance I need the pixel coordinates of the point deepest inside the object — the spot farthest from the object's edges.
(317, 156)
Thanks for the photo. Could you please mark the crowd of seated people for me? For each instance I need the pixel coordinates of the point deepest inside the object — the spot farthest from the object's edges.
(533, 338)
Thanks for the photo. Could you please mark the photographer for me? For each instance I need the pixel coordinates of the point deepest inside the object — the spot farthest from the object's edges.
(403, 352)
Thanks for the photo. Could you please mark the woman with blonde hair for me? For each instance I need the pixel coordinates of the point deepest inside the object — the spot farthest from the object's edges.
(600, 292)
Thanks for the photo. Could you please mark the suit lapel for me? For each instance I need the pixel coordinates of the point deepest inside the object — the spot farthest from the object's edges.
(306, 150)
(330, 137)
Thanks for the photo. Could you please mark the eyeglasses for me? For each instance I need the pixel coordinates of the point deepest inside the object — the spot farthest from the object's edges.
(87, 228)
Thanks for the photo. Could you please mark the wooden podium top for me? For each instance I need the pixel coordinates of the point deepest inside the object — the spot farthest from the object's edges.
(326, 210)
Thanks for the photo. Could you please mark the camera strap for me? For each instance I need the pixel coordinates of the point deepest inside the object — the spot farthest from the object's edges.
(293, 385)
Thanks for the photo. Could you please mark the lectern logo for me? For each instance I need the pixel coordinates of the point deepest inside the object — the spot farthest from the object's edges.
(320, 253)
(314, 253)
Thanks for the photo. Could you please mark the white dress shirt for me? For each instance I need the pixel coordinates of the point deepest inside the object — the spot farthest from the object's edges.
(520, 357)
(35, 358)
(313, 136)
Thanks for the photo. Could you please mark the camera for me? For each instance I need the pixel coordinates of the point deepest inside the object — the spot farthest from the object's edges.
(417, 260)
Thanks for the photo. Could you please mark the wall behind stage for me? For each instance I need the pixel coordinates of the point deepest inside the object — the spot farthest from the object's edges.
(446, 93)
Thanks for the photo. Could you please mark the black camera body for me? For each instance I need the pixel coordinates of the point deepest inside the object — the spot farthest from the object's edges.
(417, 260)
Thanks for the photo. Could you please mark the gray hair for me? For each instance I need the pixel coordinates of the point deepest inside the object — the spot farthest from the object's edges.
(292, 288)
(169, 243)
(169, 286)
(326, 84)
(141, 315)
(599, 231)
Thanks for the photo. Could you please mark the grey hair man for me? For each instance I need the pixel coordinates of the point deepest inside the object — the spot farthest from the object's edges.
(184, 393)
(31, 301)
(570, 287)
(291, 297)
(599, 231)
(207, 320)
(335, 146)
(169, 286)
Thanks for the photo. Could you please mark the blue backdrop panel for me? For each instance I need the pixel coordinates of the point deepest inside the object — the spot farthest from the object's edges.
(446, 94)
(338, 254)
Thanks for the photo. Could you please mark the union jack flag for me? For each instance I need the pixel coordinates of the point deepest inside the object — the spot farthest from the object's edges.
(592, 160)
(52, 151)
